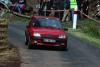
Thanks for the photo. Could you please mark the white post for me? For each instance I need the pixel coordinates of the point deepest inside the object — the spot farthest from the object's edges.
(75, 18)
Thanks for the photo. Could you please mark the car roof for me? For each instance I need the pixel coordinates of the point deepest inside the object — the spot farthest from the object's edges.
(45, 17)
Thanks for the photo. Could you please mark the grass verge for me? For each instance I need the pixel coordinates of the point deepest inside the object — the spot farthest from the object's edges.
(16, 19)
(87, 30)
(87, 38)
(9, 57)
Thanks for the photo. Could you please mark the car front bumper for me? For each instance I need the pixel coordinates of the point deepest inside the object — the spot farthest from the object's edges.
(49, 42)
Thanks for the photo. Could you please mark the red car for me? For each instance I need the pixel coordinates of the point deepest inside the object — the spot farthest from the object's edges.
(45, 31)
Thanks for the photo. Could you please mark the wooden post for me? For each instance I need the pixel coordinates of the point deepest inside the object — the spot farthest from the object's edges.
(3, 34)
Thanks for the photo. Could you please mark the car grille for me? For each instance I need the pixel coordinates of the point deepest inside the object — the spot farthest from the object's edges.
(48, 36)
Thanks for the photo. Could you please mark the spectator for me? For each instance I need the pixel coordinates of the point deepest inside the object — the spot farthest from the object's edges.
(85, 7)
(79, 3)
(61, 7)
(40, 11)
(58, 5)
(19, 6)
(49, 6)
(73, 6)
(66, 8)
(45, 5)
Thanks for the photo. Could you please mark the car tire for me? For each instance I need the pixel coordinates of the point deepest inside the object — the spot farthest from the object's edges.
(64, 49)
(29, 45)
(26, 41)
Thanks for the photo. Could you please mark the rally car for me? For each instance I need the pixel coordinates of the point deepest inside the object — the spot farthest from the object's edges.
(45, 31)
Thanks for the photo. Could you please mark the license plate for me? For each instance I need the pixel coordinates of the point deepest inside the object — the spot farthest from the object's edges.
(49, 40)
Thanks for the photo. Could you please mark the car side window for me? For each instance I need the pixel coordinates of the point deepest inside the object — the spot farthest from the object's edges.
(35, 23)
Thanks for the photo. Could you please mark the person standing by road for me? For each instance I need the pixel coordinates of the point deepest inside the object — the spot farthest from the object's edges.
(19, 6)
(66, 9)
(79, 3)
(45, 5)
(58, 5)
(85, 7)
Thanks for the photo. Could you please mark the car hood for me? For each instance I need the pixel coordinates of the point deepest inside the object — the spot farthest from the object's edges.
(52, 31)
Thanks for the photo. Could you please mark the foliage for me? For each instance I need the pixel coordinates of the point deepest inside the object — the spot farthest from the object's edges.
(16, 19)
(91, 28)
(85, 38)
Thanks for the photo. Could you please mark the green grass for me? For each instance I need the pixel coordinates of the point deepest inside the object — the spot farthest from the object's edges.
(15, 19)
(87, 30)
(86, 38)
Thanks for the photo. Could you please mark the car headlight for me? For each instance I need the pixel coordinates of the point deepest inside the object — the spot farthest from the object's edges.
(37, 34)
(62, 36)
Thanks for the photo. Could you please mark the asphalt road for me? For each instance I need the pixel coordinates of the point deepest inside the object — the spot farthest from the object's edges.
(80, 54)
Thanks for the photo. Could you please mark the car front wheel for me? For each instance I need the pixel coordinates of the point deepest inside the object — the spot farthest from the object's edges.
(29, 44)
(63, 48)
(26, 41)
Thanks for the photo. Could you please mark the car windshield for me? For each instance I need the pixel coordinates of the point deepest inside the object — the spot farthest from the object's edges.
(49, 23)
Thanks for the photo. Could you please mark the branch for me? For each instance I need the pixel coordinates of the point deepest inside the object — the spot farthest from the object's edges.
(21, 15)
(90, 17)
